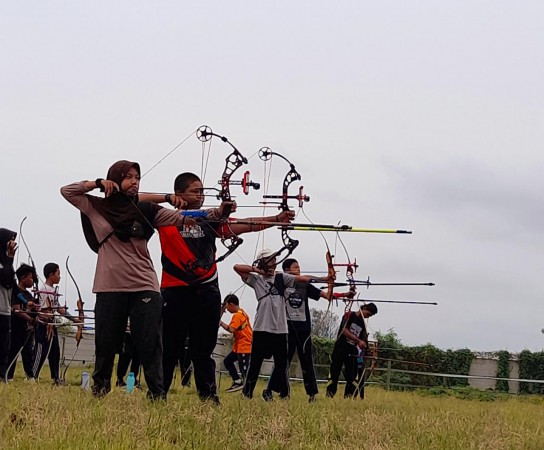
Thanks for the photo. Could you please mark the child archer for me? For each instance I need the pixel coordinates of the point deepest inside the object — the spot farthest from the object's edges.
(189, 283)
(352, 336)
(270, 325)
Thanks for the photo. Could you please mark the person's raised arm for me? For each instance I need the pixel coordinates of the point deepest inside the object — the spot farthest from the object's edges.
(172, 199)
(259, 223)
(244, 270)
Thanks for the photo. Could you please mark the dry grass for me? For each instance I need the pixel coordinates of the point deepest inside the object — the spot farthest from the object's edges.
(45, 417)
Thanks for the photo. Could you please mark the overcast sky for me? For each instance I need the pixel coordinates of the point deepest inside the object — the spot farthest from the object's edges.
(414, 115)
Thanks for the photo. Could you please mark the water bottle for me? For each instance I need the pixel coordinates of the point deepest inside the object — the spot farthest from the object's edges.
(130, 382)
(86, 380)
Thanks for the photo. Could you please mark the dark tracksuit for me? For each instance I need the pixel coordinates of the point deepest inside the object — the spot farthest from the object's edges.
(194, 312)
(112, 310)
(344, 354)
(299, 337)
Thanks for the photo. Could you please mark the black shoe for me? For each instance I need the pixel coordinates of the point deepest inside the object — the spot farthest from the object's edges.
(213, 399)
(156, 397)
(267, 395)
(236, 386)
(58, 382)
(311, 398)
(99, 392)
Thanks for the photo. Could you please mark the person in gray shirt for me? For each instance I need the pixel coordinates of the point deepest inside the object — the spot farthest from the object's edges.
(270, 324)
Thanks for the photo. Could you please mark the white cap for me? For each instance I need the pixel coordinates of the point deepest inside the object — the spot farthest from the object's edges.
(265, 253)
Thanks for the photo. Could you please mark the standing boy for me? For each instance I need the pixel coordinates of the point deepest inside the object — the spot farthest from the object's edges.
(351, 336)
(22, 330)
(240, 327)
(47, 335)
(190, 287)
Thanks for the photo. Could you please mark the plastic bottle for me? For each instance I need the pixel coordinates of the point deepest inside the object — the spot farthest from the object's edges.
(86, 380)
(130, 382)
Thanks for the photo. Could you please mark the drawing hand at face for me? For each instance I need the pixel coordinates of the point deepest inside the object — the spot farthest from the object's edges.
(177, 201)
(109, 187)
(11, 248)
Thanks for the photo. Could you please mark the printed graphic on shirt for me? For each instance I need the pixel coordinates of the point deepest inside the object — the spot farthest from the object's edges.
(192, 232)
(295, 305)
(356, 330)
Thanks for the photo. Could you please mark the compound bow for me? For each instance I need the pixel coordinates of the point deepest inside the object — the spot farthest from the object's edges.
(232, 163)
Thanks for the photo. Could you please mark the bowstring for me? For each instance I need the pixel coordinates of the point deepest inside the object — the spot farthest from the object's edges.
(205, 156)
(328, 310)
(168, 154)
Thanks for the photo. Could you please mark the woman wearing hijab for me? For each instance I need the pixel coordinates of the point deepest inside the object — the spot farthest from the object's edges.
(117, 228)
(7, 281)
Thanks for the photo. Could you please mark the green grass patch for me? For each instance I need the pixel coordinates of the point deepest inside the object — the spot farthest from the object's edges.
(39, 415)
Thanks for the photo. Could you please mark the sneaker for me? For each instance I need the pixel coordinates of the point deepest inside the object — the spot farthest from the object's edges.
(267, 395)
(58, 382)
(311, 398)
(236, 386)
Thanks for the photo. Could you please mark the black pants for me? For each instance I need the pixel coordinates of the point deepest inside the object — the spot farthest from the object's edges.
(243, 364)
(128, 357)
(112, 311)
(301, 342)
(344, 355)
(5, 335)
(192, 312)
(263, 346)
(22, 340)
(47, 347)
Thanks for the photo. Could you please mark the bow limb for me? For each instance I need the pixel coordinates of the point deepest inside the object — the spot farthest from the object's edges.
(35, 277)
(331, 272)
(289, 244)
(81, 318)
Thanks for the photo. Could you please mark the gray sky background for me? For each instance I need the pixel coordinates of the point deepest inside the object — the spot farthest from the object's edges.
(419, 115)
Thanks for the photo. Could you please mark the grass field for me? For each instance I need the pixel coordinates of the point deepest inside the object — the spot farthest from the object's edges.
(38, 415)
